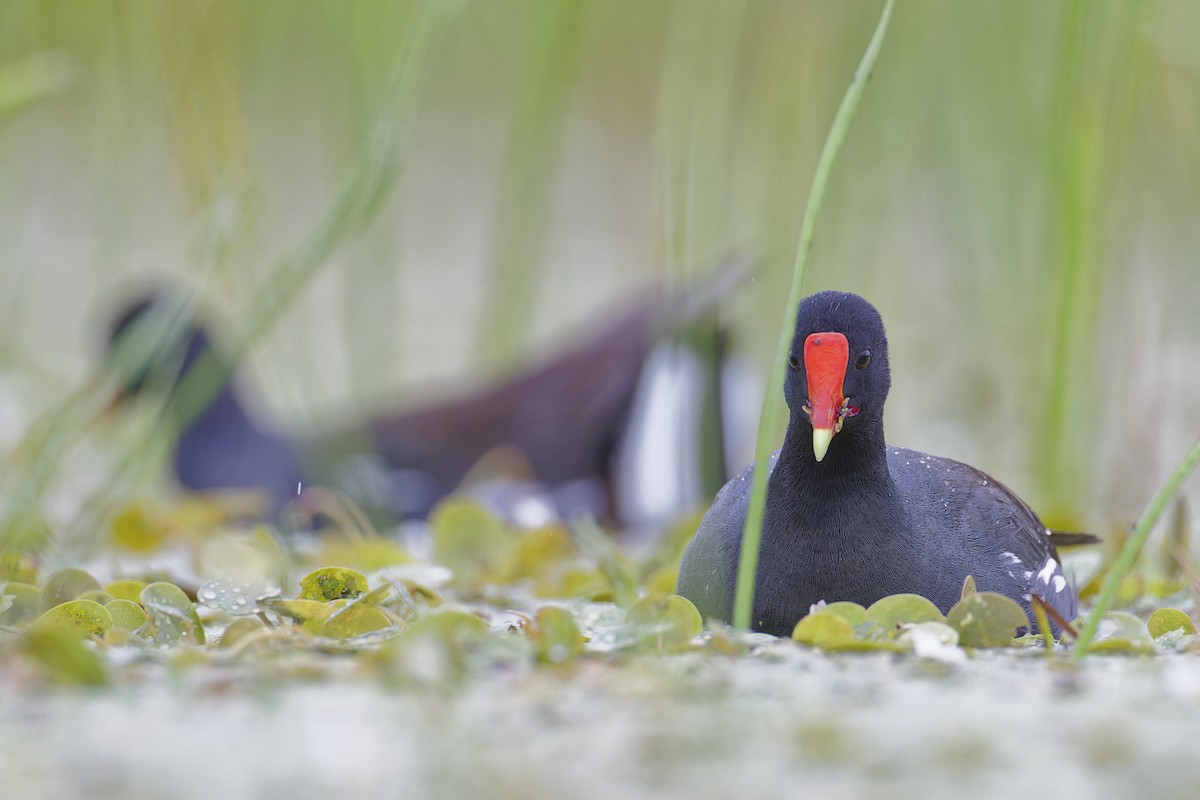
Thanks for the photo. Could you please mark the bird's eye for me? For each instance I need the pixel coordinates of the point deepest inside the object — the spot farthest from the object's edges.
(864, 358)
(793, 362)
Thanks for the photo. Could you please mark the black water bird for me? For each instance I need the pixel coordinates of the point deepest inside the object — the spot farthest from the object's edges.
(849, 517)
(562, 418)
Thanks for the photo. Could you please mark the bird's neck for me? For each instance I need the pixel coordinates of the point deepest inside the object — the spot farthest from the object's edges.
(855, 462)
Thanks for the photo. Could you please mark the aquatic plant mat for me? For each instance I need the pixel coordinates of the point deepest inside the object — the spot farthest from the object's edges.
(202, 657)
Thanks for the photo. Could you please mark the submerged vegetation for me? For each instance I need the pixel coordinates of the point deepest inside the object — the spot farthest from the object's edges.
(486, 595)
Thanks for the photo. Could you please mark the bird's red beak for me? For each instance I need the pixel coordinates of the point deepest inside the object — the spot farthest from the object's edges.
(825, 359)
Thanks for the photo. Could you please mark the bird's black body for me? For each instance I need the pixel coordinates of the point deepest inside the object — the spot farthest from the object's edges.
(868, 520)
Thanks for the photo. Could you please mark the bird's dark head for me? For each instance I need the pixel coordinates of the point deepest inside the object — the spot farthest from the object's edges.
(153, 342)
(838, 376)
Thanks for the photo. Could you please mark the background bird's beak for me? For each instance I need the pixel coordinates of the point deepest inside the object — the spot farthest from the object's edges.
(825, 359)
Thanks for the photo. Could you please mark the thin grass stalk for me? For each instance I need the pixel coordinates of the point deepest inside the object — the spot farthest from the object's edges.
(535, 141)
(373, 276)
(1043, 623)
(694, 131)
(28, 81)
(748, 563)
(1100, 86)
(1133, 546)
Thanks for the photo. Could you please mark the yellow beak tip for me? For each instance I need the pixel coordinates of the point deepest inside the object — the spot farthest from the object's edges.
(821, 439)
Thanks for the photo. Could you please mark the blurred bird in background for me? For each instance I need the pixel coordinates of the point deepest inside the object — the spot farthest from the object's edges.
(574, 434)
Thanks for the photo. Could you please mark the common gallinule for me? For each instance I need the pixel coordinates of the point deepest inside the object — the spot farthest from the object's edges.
(849, 517)
(563, 417)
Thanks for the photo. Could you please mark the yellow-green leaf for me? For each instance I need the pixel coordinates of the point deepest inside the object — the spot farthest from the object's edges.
(238, 631)
(134, 529)
(469, 540)
(666, 623)
(359, 619)
(1121, 632)
(537, 552)
(333, 583)
(440, 647)
(82, 617)
(97, 596)
(66, 584)
(172, 616)
(23, 605)
(126, 614)
(1165, 620)
(556, 635)
(852, 612)
(826, 629)
(447, 624)
(126, 589)
(311, 614)
(64, 656)
(986, 619)
(889, 613)
(662, 580)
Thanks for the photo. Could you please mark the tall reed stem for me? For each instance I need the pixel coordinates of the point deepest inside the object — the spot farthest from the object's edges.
(1129, 553)
(748, 564)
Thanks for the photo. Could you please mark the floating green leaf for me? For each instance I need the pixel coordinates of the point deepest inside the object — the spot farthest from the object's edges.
(65, 656)
(82, 617)
(333, 583)
(126, 614)
(449, 625)
(889, 613)
(97, 596)
(239, 631)
(1119, 632)
(234, 597)
(1165, 620)
(826, 629)
(662, 580)
(438, 648)
(665, 623)
(986, 619)
(172, 616)
(311, 614)
(135, 529)
(853, 613)
(359, 619)
(556, 635)
(469, 540)
(537, 553)
(66, 584)
(126, 589)
(22, 603)
(968, 587)
(615, 566)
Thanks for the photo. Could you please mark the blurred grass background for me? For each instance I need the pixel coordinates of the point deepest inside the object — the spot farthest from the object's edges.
(429, 193)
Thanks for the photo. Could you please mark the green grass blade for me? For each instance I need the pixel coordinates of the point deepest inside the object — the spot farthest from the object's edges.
(1129, 553)
(34, 78)
(748, 563)
(535, 143)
